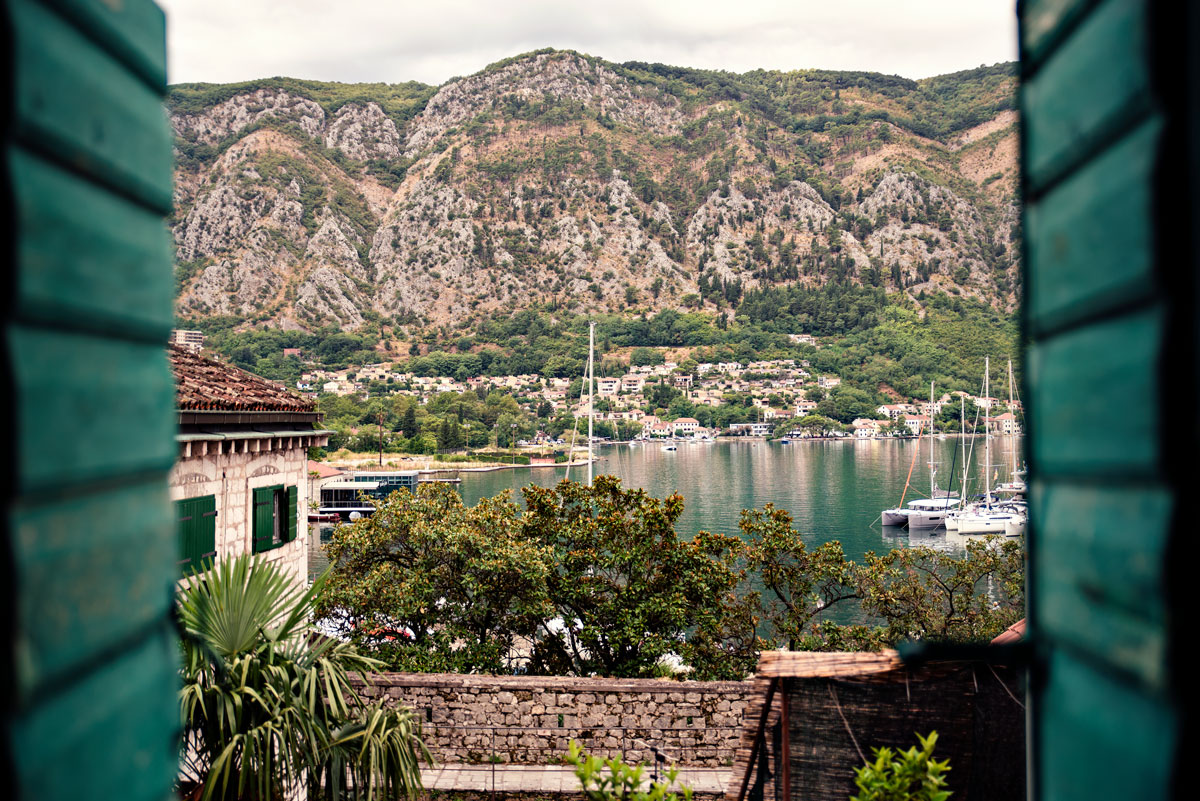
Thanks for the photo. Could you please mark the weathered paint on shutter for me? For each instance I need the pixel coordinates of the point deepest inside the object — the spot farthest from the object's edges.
(91, 655)
(206, 530)
(196, 519)
(185, 515)
(264, 518)
(1108, 176)
(292, 496)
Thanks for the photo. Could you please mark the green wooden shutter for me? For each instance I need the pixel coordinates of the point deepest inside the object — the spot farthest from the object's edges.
(1108, 178)
(264, 519)
(292, 496)
(204, 538)
(184, 516)
(90, 544)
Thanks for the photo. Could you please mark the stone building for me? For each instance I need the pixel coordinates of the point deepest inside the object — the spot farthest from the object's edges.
(240, 482)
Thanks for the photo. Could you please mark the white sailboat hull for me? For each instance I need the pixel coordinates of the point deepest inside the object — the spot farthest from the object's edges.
(896, 517)
(927, 519)
(984, 523)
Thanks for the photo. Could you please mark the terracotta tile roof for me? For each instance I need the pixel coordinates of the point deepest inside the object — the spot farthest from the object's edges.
(322, 470)
(1012, 634)
(206, 384)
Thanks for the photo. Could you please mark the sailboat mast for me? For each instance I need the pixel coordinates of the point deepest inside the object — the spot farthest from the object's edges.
(987, 436)
(591, 398)
(930, 411)
(963, 420)
(1014, 414)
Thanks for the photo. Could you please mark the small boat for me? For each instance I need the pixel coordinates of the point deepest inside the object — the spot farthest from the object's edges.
(785, 441)
(670, 447)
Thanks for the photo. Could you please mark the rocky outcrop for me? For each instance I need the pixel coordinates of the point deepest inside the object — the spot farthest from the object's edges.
(563, 78)
(363, 132)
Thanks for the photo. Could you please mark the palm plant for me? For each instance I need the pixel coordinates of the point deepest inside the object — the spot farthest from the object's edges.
(267, 703)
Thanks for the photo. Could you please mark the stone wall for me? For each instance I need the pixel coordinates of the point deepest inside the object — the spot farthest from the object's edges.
(531, 719)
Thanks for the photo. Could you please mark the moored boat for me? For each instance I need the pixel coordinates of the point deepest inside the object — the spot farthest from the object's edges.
(931, 512)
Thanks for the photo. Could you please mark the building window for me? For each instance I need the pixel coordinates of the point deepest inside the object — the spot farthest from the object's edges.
(196, 527)
(274, 517)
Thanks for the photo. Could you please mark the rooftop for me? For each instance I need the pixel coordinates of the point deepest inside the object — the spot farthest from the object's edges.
(206, 384)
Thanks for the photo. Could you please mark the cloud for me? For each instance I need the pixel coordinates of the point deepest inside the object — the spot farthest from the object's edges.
(376, 40)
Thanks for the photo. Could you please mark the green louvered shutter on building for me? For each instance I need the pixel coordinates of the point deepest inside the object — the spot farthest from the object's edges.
(264, 519)
(292, 497)
(196, 520)
(1108, 101)
(185, 516)
(90, 652)
(204, 542)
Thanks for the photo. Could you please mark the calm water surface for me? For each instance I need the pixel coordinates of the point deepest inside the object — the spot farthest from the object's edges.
(834, 489)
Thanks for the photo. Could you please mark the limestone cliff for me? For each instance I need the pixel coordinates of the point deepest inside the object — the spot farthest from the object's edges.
(566, 181)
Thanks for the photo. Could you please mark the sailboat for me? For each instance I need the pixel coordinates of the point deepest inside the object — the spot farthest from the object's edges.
(951, 521)
(931, 512)
(1016, 481)
(589, 388)
(989, 517)
(899, 515)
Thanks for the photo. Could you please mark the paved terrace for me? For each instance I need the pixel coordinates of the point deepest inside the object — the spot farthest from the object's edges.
(504, 778)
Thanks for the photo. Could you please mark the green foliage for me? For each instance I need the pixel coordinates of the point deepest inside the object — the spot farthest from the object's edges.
(614, 780)
(626, 587)
(910, 775)
(922, 593)
(265, 702)
(799, 585)
(427, 583)
(598, 582)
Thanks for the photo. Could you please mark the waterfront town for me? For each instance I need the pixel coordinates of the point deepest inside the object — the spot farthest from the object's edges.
(781, 393)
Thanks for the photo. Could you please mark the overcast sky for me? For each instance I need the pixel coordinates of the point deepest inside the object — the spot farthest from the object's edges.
(398, 40)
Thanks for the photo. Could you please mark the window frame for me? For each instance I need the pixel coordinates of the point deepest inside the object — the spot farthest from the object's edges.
(279, 527)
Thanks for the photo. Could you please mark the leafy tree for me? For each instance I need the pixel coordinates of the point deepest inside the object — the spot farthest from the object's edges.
(646, 357)
(798, 585)
(625, 587)
(922, 593)
(408, 424)
(427, 583)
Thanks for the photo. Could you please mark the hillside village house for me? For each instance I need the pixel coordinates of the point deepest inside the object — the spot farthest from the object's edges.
(686, 426)
(606, 387)
(1005, 424)
(240, 482)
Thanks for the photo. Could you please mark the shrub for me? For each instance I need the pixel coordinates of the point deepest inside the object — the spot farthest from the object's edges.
(622, 782)
(912, 775)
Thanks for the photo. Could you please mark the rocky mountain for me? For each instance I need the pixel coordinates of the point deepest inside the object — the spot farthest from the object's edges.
(561, 181)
